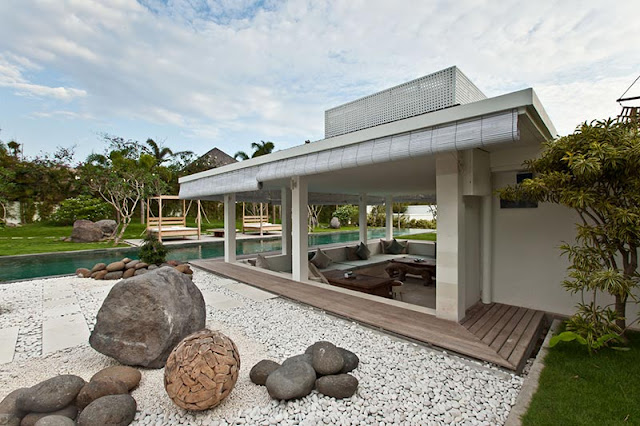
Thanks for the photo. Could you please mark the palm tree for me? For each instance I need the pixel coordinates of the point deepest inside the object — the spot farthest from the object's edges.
(259, 149)
(159, 152)
(14, 147)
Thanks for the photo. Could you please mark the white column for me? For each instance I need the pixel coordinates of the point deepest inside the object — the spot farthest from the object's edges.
(299, 230)
(230, 227)
(487, 246)
(450, 266)
(388, 208)
(362, 217)
(285, 212)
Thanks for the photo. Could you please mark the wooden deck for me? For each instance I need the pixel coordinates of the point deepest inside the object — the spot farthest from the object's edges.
(501, 334)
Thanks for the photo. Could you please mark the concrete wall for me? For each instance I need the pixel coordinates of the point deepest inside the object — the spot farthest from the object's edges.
(472, 226)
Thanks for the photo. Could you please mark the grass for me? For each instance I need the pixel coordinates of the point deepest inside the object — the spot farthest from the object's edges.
(427, 236)
(579, 389)
(325, 228)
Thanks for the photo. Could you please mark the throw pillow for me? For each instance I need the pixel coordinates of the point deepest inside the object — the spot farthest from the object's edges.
(396, 247)
(385, 245)
(262, 262)
(351, 253)
(363, 251)
(321, 260)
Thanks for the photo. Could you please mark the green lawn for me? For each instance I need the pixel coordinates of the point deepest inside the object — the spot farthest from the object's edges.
(427, 236)
(43, 238)
(325, 228)
(581, 389)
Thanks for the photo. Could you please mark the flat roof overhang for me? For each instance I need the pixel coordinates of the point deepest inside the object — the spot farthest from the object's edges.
(412, 178)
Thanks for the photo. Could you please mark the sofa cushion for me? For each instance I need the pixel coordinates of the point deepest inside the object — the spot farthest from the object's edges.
(397, 247)
(352, 252)
(321, 260)
(363, 251)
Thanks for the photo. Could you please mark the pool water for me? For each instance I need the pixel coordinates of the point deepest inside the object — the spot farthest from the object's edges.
(43, 265)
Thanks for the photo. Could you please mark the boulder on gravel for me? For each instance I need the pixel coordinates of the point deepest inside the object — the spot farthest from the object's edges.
(10, 414)
(327, 359)
(131, 264)
(55, 420)
(98, 388)
(107, 226)
(335, 223)
(144, 317)
(337, 386)
(51, 395)
(31, 419)
(98, 267)
(261, 371)
(291, 381)
(83, 272)
(99, 275)
(351, 360)
(113, 410)
(85, 231)
(128, 273)
(115, 266)
(128, 375)
(115, 275)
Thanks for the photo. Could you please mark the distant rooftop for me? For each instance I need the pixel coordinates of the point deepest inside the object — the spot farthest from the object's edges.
(443, 89)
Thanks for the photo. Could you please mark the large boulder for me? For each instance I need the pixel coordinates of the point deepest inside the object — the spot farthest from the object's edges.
(98, 388)
(10, 414)
(85, 231)
(107, 226)
(51, 395)
(335, 223)
(128, 375)
(327, 359)
(338, 386)
(144, 317)
(261, 371)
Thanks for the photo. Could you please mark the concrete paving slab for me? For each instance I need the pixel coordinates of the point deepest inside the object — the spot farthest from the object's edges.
(251, 292)
(56, 303)
(57, 292)
(220, 301)
(8, 339)
(64, 332)
(61, 311)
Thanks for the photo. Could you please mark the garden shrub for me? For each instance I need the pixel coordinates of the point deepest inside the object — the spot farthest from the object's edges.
(152, 251)
(347, 214)
(82, 207)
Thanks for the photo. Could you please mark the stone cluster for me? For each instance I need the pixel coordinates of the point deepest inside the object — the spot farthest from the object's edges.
(127, 268)
(57, 401)
(143, 318)
(86, 231)
(323, 367)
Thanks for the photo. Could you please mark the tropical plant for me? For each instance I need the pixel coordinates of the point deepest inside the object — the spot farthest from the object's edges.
(259, 149)
(81, 207)
(152, 251)
(123, 176)
(594, 171)
(346, 214)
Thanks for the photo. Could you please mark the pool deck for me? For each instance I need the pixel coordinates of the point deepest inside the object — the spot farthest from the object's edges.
(204, 238)
(501, 334)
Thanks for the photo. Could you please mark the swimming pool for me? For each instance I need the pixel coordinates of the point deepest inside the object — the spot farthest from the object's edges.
(43, 265)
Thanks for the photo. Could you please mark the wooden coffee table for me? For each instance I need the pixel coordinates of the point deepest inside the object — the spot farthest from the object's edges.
(402, 266)
(378, 286)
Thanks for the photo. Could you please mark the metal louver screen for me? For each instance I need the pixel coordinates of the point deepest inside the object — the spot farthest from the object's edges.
(474, 133)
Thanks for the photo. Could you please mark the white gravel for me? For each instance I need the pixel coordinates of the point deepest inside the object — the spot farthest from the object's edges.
(400, 382)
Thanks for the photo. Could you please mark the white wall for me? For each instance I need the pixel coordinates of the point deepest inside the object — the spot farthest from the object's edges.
(472, 226)
(528, 268)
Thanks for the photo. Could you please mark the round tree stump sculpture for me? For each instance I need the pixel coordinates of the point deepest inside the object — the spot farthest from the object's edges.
(202, 370)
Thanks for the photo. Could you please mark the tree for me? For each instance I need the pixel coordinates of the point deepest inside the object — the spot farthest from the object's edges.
(400, 208)
(162, 154)
(595, 172)
(259, 149)
(123, 176)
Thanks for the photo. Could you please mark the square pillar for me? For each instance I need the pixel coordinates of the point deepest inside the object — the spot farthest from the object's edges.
(230, 227)
(299, 229)
(362, 217)
(388, 208)
(285, 213)
(450, 266)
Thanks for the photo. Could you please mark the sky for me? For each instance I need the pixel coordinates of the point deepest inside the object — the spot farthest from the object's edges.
(198, 74)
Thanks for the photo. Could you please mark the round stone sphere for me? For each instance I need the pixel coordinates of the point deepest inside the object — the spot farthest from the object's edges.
(202, 370)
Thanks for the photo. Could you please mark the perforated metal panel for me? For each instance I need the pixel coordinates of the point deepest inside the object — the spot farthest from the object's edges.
(435, 91)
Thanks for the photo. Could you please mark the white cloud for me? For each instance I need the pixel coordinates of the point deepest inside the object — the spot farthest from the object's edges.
(222, 71)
